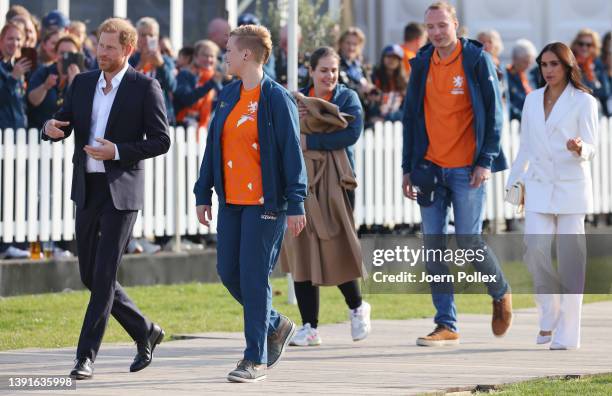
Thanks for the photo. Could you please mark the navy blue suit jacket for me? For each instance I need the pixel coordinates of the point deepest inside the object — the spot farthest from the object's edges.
(138, 111)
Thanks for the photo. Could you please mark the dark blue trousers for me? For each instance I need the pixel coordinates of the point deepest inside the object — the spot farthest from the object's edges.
(248, 245)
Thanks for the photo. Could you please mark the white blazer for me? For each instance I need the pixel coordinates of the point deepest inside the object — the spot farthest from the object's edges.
(556, 180)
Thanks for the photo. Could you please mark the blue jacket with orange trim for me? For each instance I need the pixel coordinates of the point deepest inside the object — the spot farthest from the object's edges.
(483, 87)
(283, 171)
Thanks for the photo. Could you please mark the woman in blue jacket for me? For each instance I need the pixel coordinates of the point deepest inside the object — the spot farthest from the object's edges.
(254, 162)
(12, 78)
(324, 69)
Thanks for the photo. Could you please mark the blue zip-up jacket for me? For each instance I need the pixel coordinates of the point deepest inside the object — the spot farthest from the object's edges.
(12, 99)
(483, 86)
(348, 102)
(165, 76)
(283, 171)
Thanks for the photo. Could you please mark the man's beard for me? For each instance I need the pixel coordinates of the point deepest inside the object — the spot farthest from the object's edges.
(111, 66)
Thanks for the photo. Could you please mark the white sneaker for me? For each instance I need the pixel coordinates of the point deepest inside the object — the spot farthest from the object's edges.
(360, 321)
(13, 252)
(149, 247)
(306, 336)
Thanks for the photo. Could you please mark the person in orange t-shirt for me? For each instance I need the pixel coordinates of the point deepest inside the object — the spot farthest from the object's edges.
(254, 162)
(452, 132)
(414, 38)
(197, 85)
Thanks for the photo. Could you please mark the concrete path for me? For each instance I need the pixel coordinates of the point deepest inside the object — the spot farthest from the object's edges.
(388, 362)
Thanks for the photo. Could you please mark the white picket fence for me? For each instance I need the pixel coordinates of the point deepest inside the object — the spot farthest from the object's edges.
(36, 182)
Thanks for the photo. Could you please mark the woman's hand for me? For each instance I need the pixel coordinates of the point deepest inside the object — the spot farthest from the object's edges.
(73, 70)
(302, 110)
(204, 213)
(51, 81)
(575, 145)
(296, 224)
(21, 67)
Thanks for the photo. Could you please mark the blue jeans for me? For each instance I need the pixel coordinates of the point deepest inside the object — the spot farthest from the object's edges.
(468, 208)
(248, 246)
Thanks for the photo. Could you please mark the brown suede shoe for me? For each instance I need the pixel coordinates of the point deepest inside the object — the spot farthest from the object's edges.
(502, 315)
(441, 336)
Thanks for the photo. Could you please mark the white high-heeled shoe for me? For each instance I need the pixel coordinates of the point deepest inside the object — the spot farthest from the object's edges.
(543, 339)
(557, 347)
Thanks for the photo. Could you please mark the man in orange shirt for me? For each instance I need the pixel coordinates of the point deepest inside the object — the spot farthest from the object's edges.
(452, 127)
(414, 38)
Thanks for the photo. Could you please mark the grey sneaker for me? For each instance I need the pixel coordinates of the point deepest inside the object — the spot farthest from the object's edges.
(278, 341)
(247, 371)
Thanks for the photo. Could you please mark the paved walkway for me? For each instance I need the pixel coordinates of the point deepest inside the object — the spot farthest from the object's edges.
(388, 362)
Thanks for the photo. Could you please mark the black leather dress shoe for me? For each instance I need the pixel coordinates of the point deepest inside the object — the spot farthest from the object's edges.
(83, 369)
(145, 349)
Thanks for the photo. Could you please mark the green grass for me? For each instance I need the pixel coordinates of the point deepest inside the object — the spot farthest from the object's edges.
(54, 320)
(586, 386)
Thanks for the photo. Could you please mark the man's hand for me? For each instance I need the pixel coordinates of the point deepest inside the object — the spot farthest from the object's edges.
(479, 176)
(575, 144)
(296, 224)
(407, 188)
(204, 214)
(101, 153)
(52, 128)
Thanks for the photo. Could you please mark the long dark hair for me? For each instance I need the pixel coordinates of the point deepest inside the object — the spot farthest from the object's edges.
(398, 79)
(566, 57)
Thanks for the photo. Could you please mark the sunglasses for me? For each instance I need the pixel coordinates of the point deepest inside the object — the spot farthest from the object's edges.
(584, 44)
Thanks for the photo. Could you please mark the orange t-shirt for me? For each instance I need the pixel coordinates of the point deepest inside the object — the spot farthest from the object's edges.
(203, 107)
(448, 112)
(327, 97)
(240, 148)
(407, 56)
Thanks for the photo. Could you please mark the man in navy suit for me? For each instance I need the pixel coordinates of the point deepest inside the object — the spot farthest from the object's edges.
(111, 111)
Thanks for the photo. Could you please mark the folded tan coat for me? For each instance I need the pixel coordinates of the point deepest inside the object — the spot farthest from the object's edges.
(322, 115)
(327, 252)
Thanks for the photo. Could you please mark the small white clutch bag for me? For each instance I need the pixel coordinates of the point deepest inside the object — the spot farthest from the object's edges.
(515, 195)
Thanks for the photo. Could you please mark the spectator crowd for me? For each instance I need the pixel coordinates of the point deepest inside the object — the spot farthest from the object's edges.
(41, 57)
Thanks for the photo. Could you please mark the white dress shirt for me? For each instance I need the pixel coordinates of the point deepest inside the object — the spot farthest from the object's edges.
(100, 111)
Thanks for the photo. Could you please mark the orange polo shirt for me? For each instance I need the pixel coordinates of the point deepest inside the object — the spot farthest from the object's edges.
(240, 148)
(448, 112)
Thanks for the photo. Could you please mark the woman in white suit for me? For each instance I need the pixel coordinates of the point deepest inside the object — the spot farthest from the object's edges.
(558, 138)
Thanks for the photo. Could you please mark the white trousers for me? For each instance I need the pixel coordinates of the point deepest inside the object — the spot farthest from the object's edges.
(558, 291)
